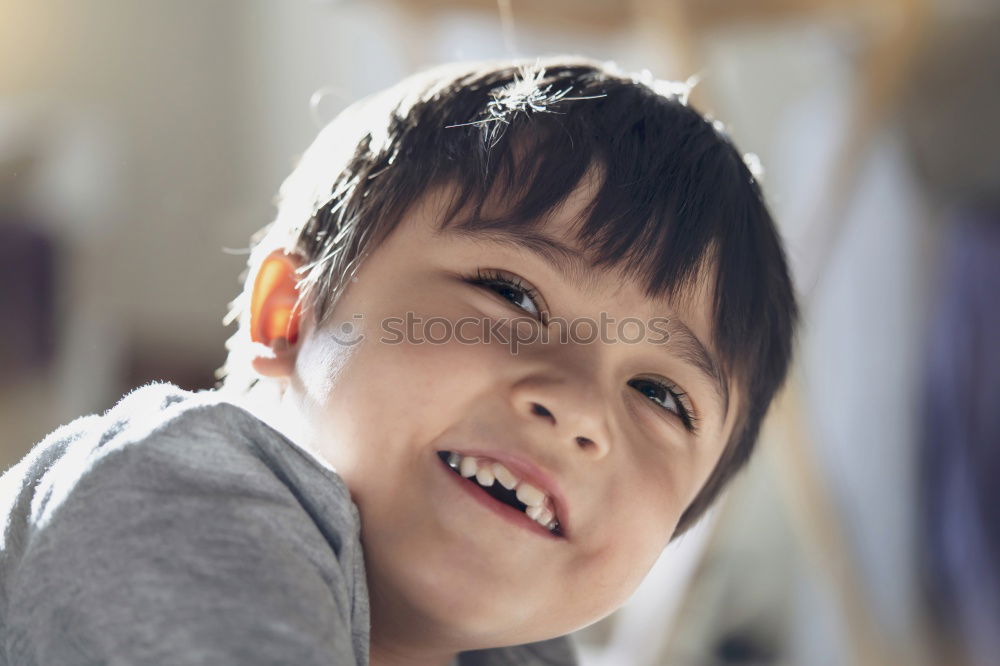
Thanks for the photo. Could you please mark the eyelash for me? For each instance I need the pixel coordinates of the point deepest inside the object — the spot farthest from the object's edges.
(493, 277)
(685, 411)
(490, 276)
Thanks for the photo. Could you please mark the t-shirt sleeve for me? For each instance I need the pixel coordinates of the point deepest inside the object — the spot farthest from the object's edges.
(170, 551)
(560, 651)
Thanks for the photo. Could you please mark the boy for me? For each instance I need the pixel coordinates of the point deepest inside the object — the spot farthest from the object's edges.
(513, 329)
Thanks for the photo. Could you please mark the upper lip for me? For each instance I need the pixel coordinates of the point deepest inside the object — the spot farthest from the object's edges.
(526, 470)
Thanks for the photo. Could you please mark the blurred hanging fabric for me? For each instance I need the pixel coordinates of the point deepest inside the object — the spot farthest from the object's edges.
(27, 299)
(961, 440)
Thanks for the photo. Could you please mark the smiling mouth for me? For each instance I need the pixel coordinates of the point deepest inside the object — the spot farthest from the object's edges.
(540, 513)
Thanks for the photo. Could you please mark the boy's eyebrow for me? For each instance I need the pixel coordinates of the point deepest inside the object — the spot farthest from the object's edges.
(568, 261)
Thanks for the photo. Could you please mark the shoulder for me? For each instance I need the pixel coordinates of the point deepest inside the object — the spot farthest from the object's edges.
(160, 441)
(192, 513)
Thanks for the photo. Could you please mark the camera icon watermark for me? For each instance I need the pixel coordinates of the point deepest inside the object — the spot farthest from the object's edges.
(349, 332)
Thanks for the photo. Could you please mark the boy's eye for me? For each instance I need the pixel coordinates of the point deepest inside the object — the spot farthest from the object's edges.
(525, 297)
(511, 288)
(669, 396)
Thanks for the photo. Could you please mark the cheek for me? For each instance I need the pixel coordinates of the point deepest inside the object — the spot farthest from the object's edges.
(606, 576)
(391, 392)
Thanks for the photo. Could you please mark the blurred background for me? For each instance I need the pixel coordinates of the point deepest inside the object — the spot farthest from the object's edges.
(142, 142)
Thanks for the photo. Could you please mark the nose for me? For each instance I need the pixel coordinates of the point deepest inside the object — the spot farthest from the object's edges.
(570, 406)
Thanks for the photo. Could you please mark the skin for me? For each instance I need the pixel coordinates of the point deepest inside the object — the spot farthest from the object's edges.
(445, 574)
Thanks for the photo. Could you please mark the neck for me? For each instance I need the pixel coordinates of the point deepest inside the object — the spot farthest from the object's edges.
(401, 636)
(269, 402)
(392, 655)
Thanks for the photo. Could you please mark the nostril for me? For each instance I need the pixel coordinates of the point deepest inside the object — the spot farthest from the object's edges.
(585, 443)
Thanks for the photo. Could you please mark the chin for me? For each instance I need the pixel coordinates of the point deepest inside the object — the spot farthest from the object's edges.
(474, 614)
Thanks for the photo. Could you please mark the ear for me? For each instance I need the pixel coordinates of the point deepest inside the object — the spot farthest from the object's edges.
(274, 315)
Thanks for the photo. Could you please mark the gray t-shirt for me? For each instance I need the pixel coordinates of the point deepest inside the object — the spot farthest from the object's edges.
(178, 528)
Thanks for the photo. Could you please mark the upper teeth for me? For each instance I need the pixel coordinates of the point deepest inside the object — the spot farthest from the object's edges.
(487, 471)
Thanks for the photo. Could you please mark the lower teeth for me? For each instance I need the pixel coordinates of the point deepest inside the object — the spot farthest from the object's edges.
(496, 491)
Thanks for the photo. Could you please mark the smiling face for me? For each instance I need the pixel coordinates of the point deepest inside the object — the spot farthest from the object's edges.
(601, 425)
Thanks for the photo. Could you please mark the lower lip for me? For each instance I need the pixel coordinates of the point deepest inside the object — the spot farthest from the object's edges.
(508, 513)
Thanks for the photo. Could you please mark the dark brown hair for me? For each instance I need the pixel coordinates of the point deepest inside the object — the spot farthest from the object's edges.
(675, 206)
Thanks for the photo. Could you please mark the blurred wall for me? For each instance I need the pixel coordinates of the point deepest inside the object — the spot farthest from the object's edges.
(135, 115)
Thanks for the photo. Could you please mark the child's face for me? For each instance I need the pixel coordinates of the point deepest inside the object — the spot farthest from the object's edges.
(443, 565)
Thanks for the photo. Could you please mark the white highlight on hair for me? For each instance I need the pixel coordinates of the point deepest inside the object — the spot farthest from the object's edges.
(681, 90)
(754, 165)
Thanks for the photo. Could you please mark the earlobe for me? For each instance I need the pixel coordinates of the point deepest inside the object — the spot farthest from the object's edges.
(274, 314)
